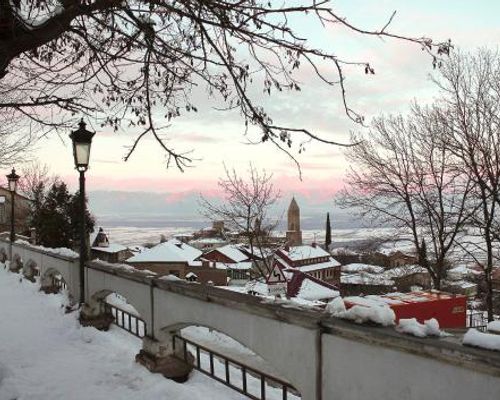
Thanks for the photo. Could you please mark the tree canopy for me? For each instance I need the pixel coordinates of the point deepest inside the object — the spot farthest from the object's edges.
(127, 62)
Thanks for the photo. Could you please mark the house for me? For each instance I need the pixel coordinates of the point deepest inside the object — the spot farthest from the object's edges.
(307, 287)
(207, 243)
(463, 287)
(231, 257)
(399, 259)
(495, 280)
(362, 282)
(310, 259)
(408, 276)
(102, 249)
(179, 259)
(21, 212)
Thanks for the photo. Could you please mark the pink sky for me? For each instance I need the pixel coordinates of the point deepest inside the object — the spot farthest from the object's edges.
(402, 72)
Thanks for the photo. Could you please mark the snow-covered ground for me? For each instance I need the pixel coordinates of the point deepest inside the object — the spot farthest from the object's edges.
(46, 354)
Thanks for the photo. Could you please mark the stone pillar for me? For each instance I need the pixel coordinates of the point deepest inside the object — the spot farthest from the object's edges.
(93, 314)
(15, 264)
(161, 357)
(29, 273)
(47, 284)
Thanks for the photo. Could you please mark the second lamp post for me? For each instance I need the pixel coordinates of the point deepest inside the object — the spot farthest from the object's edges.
(82, 139)
(12, 178)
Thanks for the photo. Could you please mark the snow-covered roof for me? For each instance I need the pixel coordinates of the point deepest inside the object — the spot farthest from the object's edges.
(304, 252)
(405, 270)
(461, 284)
(244, 266)
(359, 267)
(311, 290)
(208, 240)
(299, 253)
(169, 251)
(110, 248)
(232, 252)
(324, 265)
(191, 275)
(365, 278)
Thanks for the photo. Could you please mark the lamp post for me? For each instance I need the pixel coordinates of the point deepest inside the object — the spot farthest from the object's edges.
(12, 178)
(82, 139)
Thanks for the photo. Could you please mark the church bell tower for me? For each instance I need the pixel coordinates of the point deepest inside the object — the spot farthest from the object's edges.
(294, 234)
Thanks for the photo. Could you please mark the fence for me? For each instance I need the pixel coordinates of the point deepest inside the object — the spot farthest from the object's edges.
(57, 281)
(477, 320)
(125, 320)
(244, 379)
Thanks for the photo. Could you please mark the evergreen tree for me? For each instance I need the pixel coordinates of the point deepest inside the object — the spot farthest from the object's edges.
(328, 235)
(74, 212)
(423, 259)
(55, 214)
(54, 224)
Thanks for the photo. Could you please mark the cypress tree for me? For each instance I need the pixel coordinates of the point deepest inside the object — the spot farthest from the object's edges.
(328, 234)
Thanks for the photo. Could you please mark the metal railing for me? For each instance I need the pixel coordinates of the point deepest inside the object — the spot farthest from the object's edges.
(58, 282)
(234, 374)
(125, 320)
(251, 383)
(477, 320)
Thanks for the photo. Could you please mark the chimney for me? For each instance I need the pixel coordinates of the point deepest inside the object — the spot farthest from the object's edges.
(314, 245)
(287, 247)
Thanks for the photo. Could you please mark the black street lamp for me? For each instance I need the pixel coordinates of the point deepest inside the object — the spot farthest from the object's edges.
(12, 178)
(82, 139)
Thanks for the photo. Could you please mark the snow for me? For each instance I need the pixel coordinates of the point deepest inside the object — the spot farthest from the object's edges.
(405, 270)
(494, 327)
(315, 267)
(59, 251)
(335, 306)
(365, 278)
(231, 251)
(412, 327)
(311, 290)
(170, 251)
(359, 267)
(483, 340)
(170, 278)
(46, 354)
(361, 314)
(242, 266)
(297, 253)
(111, 248)
(367, 311)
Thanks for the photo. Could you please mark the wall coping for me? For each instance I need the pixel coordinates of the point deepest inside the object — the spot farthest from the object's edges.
(36, 249)
(440, 349)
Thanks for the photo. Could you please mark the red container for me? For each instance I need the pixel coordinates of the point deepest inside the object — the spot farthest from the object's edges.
(448, 309)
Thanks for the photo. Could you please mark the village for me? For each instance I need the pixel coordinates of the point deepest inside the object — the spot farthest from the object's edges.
(313, 273)
(249, 199)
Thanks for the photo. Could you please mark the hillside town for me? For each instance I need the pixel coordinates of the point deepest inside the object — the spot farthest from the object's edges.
(314, 273)
(249, 199)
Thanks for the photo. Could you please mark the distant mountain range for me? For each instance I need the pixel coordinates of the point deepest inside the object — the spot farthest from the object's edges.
(148, 209)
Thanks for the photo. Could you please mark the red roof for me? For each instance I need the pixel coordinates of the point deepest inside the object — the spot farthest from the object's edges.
(298, 278)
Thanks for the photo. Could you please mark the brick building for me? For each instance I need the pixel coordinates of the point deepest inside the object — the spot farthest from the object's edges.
(312, 260)
(21, 212)
(179, 259)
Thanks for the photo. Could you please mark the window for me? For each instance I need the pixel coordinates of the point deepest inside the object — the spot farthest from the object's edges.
(3, 216)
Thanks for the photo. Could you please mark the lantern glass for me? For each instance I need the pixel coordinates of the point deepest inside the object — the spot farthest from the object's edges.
(12, 179)
(82, 138)
(82, 155)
